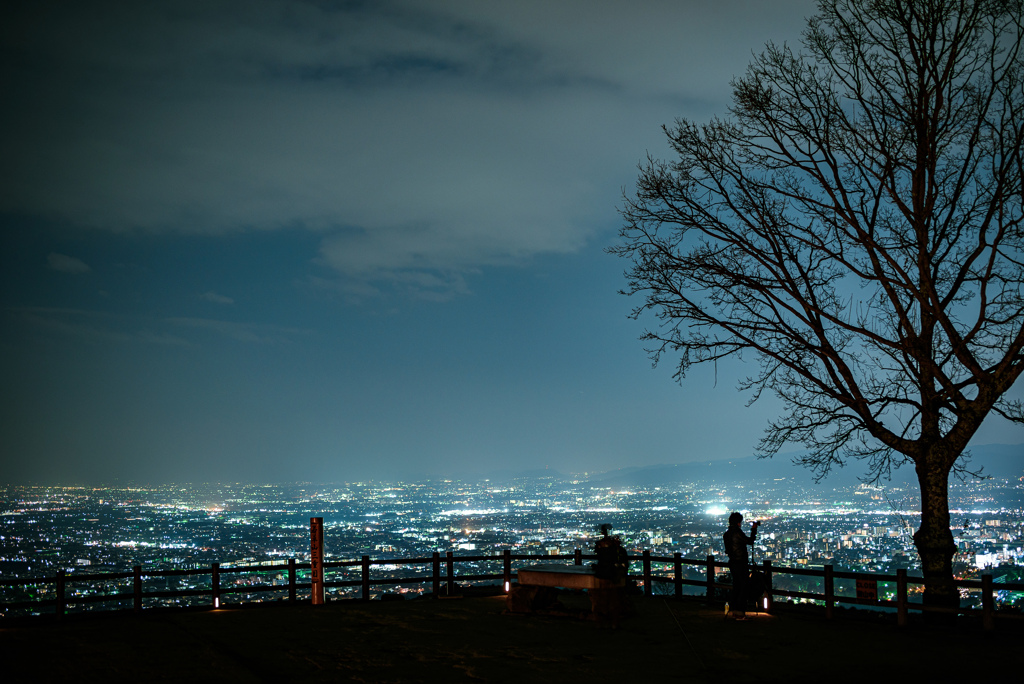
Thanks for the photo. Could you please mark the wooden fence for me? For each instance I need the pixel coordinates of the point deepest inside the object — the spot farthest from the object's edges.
(443, 579)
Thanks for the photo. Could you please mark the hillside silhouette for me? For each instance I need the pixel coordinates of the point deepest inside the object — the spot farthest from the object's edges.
(995, 460)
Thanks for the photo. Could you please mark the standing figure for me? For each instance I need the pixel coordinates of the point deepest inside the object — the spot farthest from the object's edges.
(612, 560)
(736, 544)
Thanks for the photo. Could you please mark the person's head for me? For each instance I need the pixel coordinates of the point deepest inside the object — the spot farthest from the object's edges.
(736, 518)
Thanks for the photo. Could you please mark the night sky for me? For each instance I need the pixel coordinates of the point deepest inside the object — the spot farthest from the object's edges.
(280, 241)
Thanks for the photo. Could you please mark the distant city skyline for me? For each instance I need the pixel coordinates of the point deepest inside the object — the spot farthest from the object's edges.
(279, 241)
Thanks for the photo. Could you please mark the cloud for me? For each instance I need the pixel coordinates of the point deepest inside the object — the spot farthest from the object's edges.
(241, 332)
(66, 264)
(216, 298)
(94, 326)
(112, 327)
(417, 138)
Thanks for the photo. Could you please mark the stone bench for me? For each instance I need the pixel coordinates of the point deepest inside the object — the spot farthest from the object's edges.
(539, 584)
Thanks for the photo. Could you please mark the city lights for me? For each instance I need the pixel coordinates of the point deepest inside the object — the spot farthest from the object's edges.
(175, 528)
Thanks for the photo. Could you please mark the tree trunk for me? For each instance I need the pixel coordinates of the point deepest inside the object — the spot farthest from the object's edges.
(934, 540)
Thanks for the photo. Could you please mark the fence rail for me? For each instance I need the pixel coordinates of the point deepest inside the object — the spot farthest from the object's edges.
(446, 582)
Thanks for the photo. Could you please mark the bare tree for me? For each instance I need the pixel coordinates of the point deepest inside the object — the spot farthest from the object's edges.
(856, 223)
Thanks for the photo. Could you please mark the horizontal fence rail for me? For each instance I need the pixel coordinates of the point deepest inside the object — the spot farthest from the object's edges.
(439, 572)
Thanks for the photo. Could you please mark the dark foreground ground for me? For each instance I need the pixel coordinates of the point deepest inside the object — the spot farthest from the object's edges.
(472, 639)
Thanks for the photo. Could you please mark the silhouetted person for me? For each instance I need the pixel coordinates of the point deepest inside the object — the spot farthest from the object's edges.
(612, 560)
(736, 544)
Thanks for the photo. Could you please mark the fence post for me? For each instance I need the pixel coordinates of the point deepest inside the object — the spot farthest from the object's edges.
(215, 584)
(137, 587)
(901, 597)
(710, 576)
(768, 595)
(677, 571)
(60, 588)
(366, 578)
(830, 599)
(987, 603)
(450, 588)
(507, 567)
(437, 574)
(291, 580)
(648, 589)
(577, 557)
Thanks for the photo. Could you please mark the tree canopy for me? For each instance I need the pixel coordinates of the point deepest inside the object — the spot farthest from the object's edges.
(855, 224)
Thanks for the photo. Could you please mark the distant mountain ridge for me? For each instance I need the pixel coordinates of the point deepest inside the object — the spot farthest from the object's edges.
(996, 460)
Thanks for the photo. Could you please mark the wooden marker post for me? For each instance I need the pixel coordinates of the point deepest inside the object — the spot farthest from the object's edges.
(316, 558)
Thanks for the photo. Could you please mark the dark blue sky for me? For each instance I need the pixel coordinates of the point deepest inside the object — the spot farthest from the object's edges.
(310, 240)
